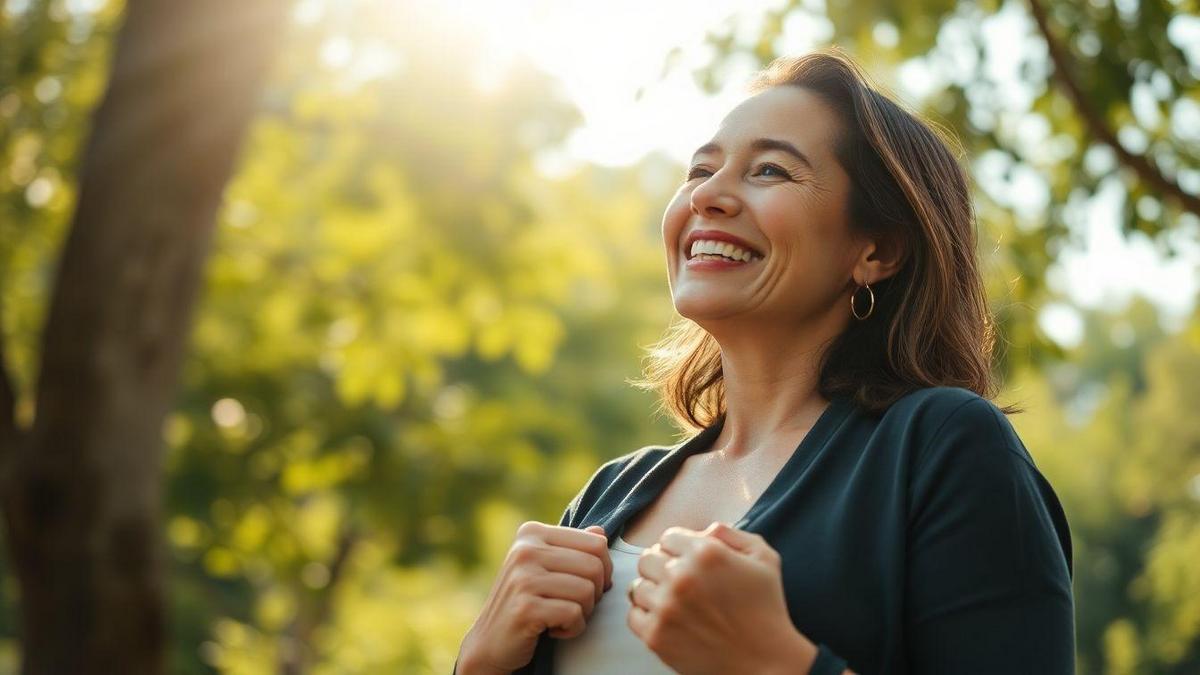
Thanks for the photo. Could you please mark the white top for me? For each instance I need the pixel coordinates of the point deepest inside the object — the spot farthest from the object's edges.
(607, 646)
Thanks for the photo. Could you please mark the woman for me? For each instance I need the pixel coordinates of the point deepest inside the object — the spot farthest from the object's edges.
(834, 367)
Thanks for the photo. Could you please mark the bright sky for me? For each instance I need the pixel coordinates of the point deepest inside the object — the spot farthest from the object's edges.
(604, 53)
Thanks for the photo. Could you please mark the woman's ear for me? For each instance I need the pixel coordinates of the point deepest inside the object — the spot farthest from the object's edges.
(880, 258)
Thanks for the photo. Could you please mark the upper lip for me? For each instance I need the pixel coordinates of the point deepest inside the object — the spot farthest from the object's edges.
(717, 235)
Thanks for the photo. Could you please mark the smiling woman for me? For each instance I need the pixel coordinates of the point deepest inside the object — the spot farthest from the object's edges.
(888, 179)
(833, 368)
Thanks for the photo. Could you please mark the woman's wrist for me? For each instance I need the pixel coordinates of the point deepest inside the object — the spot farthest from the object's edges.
(468, 662)
(795, 656)
(468, 666)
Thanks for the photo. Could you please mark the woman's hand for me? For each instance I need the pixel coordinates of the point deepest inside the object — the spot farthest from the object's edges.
(552, 578)
(712, 601)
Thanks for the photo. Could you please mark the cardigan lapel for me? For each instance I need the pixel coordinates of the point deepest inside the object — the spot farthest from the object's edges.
(652, 483)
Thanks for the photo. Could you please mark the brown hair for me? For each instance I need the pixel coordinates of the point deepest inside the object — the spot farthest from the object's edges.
(931, 325)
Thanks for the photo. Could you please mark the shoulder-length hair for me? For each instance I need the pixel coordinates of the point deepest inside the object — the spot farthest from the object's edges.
(931, 325)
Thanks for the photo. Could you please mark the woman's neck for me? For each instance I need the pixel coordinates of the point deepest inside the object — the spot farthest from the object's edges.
(771, 389)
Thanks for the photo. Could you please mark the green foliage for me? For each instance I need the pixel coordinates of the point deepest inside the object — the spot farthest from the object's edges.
(1123, 452)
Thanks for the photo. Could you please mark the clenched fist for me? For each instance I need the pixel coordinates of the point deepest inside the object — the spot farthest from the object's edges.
(551, 579)
(711, 601)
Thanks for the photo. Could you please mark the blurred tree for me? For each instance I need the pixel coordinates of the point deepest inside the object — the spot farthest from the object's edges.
(1112, 428)
(82, 483)
(54, 66)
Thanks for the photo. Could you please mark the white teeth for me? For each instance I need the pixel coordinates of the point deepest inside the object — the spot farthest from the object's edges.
(721, 248)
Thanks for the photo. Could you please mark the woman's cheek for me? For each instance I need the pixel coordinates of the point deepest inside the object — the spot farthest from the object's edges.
(674, 220)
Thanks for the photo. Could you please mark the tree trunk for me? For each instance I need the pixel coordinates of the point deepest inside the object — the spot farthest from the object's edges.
(84, 486)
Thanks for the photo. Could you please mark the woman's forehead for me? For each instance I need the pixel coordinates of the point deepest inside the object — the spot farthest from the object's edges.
(787, 113)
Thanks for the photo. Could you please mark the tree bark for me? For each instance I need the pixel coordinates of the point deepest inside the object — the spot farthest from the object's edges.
(83, 499)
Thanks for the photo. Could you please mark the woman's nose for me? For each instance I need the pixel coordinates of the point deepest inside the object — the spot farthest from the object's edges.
(713, 198)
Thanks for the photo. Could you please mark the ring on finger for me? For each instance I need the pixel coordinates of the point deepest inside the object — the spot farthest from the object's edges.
(632, 587)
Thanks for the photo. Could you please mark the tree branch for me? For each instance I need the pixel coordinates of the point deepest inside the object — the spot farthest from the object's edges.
(296, 657)
(1142, 165)
(8, 402)
(10, 432)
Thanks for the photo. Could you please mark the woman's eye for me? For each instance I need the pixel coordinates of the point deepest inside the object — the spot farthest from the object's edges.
(762, 170)
(781, 173)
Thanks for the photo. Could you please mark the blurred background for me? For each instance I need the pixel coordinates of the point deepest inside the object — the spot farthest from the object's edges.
(437, 262)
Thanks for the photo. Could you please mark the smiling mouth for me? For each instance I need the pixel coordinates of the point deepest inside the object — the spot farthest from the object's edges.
(711, 249)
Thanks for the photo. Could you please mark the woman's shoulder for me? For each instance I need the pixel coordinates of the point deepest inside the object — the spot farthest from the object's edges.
(968, 465)
(934, 407)
(947, 416)
(935, 401)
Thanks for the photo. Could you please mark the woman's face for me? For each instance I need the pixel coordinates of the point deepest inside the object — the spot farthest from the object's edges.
(768, 179)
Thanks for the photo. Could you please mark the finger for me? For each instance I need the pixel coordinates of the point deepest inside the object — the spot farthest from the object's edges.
(748, 543)
(645, 594)
(652, 563)
(581, 540)
(738, 539)
(564, 587)
(563, 618)
(680, 541)
(608, 557)
(690, 548)
(578, 563)
(638, 621)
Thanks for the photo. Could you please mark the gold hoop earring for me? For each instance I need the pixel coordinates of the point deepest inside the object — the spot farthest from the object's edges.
(854, 310)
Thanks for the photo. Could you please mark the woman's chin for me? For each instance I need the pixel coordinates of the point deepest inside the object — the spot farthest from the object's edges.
(701, 310)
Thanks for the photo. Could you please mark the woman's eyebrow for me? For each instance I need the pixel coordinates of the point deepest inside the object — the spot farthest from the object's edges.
(759, 144)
